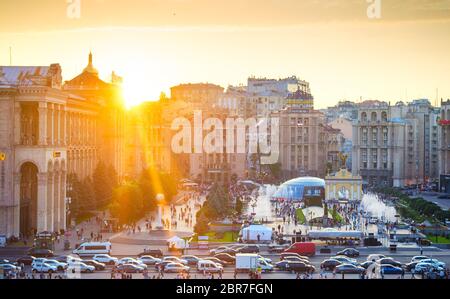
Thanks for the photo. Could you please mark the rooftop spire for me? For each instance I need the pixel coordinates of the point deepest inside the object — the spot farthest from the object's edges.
(90, 67)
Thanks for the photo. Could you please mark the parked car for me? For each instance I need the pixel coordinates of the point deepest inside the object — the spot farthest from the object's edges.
(8, 267)
(191, 259)
(375, 257)
(41, 252)
(149, 260)
(287, 254)
(129, 260)
(97, 265)
(27, 260)
(296, 259)
(226, 257)
(175, 259)
(419, 258)
(3, 261)
(218, 250)
(411, 266)
(176, 268)
(60, 266)
(367, 264)
(209, 267)
(426, 267)
(248, 249)
(329, 264)
(43, 268)
(129, 268)
(349, 269)
(389, 269)
(277, 248)
(303, 248)
(435, 262)
(389, 261)
(161, 265)
(345, 260)
(350, 252)
(216, 260)
(81, 267)
(105, 259)
(157, 253)
(300, 267)
(282, 265)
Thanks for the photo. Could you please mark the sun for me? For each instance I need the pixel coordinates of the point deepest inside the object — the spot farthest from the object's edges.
(139, 86)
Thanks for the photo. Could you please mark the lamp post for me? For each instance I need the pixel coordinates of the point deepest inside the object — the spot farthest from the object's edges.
(159, 201)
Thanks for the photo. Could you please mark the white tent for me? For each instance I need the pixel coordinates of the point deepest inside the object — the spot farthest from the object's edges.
(251, 233)
(176, 243)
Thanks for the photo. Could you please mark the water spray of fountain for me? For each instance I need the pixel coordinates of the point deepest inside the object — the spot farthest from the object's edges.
(372, 204)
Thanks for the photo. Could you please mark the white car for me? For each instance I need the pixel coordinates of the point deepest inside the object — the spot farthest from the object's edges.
(419, 258)
(72, 259)
(105, 259)
(375, 257)
(175, 260)
(268, 260)
(176, 268)
(425, 267)
(132, 261)
(43, 267)
(148, 260)
(434, 262)
(81, 267)
(59, 265)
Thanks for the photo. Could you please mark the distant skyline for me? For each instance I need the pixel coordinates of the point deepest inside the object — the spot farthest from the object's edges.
(155, 44)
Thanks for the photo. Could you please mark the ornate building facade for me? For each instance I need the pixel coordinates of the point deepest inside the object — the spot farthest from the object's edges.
(48, 131)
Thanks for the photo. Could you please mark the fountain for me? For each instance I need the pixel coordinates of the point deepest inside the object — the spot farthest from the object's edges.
(372, 204)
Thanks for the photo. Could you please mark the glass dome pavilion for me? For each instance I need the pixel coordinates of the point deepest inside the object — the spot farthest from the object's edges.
(300, 189)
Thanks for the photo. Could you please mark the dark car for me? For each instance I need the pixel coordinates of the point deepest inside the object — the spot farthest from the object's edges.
(249, 249)
(216, 260)
(277, 248)
(389, 269)
(226, 257)
(367, 264)
(329, 264)
(26, 260)
(389, 261)
(61, 258)
(129, 268)
(282, 265)
(41, 252)
(349, 269)
(299, 267)
(350, 252)
(98, 266)
(191, 259)
(153, 252)
(229, 251)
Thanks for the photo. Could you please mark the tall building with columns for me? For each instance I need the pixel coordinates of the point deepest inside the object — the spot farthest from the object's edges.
(48, 131)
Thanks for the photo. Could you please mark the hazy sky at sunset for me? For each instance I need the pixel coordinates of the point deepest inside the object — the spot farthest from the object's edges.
(155, 44)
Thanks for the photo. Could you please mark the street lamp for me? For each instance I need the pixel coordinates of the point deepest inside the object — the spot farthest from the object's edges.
(160, 202)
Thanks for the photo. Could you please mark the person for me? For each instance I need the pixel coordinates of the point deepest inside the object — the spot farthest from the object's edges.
(413, 276)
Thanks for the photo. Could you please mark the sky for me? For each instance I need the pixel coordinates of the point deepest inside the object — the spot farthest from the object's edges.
(155, 44)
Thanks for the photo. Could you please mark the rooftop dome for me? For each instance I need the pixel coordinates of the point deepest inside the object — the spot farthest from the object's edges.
(90, 67)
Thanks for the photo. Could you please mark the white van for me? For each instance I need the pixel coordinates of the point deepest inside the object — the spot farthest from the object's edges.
(93, 248)
(209, 267)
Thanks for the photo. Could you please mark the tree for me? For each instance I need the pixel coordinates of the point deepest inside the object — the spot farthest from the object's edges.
(127, 203)
(104, 180)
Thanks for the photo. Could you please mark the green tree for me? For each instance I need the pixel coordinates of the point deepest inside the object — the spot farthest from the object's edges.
(127, 203)
(104, 180)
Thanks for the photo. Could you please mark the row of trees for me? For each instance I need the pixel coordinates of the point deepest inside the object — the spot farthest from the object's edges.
(134, 198)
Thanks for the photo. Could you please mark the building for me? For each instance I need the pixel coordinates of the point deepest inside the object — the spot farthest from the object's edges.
(198, 95)
(344, 109)
(396, 145)
(111, 118)
(444, 160)
(343, 186)
(346, 129)
(47, 132)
